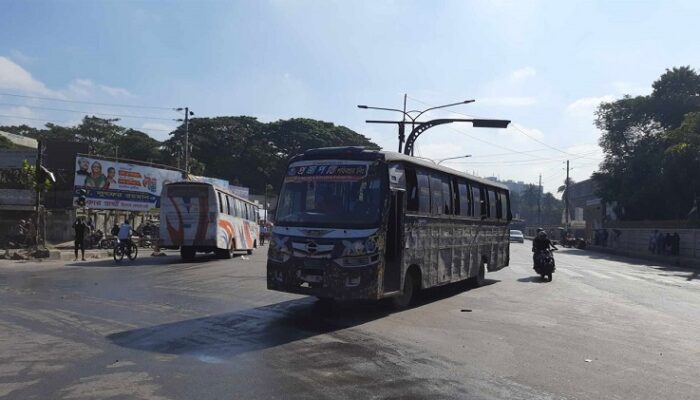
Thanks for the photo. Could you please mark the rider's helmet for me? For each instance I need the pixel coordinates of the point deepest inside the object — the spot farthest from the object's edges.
(542, 234)
(539, 230)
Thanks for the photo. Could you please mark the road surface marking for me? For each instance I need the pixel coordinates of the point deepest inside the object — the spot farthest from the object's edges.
(621, 275)
(597, 274)
(569, 272)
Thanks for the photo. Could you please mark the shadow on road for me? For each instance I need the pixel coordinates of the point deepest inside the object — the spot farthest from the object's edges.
(145, 259)
(230, 334)
(532, 279)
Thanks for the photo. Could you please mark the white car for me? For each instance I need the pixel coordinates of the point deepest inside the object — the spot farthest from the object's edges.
(516, 236)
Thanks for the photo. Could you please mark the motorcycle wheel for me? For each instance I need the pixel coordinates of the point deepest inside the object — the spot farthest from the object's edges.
(544, 277)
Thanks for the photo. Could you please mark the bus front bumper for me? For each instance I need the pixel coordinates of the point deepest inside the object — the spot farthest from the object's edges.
(327, 280)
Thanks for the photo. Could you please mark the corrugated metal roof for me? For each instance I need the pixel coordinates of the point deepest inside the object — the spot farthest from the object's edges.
(21, 141)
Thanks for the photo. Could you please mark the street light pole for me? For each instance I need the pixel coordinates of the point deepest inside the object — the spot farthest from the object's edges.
(418, 127)
(454, 158)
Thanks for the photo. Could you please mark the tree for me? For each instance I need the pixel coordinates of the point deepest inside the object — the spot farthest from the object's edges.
(5, 143)
(649, 151)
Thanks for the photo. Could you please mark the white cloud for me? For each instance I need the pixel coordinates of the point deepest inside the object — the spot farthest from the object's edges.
(586, 106)
(14, 77)
(522, 73)
(528, 133)
(115, 91)
(21, 57)
(509, 101)
(81, 87)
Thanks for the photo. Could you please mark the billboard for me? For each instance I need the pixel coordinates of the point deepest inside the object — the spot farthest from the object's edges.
(113, 185)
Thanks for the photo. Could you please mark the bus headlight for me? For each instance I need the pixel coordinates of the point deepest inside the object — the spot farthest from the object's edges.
(370, 246)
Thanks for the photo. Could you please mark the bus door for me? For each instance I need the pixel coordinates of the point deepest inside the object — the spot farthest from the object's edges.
(394, 243)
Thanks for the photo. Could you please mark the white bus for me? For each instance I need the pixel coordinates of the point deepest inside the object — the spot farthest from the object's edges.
(201, 217)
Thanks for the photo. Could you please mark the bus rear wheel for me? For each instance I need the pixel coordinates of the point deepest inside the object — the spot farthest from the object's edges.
(187, 253)
(480, 278)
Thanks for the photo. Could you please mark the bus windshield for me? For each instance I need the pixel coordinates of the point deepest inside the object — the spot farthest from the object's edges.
(330, 195)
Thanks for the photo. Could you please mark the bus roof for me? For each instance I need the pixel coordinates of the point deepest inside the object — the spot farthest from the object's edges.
(362, 153)
(219, 188)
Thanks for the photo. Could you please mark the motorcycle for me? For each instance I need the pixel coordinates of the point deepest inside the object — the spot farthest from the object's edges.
(545, 265)
(95, 239)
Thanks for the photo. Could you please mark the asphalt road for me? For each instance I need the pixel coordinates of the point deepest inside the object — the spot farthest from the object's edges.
(605, 328)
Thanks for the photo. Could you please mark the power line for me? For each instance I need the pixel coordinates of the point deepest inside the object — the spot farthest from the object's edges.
(514, 125)
(68, 123)
(87, 102)
(88, 112)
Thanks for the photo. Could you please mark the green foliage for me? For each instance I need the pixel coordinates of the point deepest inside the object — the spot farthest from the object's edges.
(28, 178)
(5, 143)
(240, 149)
(651, 146)
(250, 153)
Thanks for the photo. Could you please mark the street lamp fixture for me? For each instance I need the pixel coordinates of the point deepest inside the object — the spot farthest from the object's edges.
(453, 158)
(418, 127)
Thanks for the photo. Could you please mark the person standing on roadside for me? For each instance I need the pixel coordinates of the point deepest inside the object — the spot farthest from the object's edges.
(263, 233)
(676, 244)
(79, 227)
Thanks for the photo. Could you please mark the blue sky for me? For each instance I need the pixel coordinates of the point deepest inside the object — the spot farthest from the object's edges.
(543, 64)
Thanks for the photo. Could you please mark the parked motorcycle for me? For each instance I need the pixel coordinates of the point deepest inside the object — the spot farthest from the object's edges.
(95, 239)
(545, 266)
(108, 242)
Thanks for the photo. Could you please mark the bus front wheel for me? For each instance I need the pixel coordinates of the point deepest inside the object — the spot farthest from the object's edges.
(409, 289)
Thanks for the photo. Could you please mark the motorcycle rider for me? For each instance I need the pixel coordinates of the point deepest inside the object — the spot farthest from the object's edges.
(540, 244)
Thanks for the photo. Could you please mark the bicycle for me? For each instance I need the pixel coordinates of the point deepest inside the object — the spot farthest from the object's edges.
(120, 251)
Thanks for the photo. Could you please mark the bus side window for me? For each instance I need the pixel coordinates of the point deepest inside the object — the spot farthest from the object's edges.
(504, 206)
(436, 194)
(456, 197)
(446, 195)
(411, 189)
(499, 210)
(492, 204)
(477, 201)
(464, 206)
(228, 205)
(423, 191)
(221, 202)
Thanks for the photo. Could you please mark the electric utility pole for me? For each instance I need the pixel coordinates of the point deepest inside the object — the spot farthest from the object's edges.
(566, 194)
(186, 154)
(539, 203)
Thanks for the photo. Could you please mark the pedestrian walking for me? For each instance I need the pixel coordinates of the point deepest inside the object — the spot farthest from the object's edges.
(80, 228)
(668, 244)
(676, 244)
(652, 241)
(263, 234)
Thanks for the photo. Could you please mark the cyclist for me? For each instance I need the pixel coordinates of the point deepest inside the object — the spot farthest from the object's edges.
(124, 236)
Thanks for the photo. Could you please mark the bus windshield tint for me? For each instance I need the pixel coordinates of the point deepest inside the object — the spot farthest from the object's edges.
(315, 199)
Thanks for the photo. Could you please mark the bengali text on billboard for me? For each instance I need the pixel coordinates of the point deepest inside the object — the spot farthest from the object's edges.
(113, 185)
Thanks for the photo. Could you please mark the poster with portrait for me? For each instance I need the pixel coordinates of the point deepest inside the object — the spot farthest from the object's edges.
(112, 185)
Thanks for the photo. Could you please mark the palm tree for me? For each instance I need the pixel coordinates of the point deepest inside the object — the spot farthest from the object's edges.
(564, 190)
